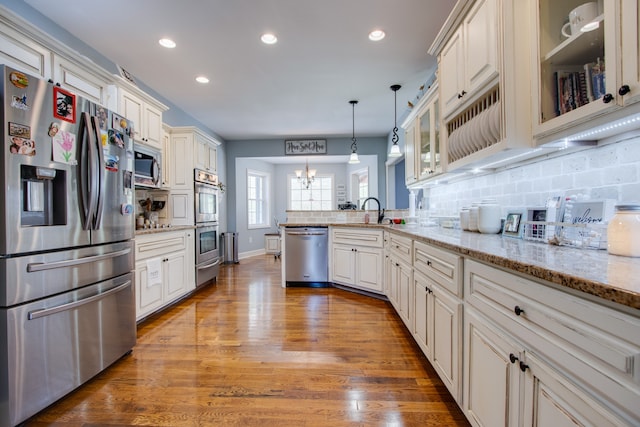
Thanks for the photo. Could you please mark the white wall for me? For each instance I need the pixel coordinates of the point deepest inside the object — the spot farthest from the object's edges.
(611, 171)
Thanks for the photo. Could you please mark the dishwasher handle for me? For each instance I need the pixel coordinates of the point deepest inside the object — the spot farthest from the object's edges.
(306, 233)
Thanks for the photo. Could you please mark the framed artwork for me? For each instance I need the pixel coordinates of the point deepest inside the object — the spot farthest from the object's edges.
(512, 225)
(64, 105)
(305, 146)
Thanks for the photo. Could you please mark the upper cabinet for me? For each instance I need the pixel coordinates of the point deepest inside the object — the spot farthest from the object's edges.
(422, 139)
(27, 49)
(470, 57)
(206, 152)
(145, 112)
(483, 75)
(585, 65)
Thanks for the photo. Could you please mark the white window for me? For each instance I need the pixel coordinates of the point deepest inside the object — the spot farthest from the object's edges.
(318, 197)
(360, 185)
(257, 199)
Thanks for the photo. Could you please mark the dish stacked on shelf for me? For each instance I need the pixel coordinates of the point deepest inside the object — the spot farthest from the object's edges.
(476, 133)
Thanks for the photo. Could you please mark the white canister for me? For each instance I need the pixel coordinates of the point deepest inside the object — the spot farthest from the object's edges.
(489, 221)
(623, 231)
(473, 217)
(464, 218)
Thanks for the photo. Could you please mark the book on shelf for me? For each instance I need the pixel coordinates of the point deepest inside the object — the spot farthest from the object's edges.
(575, 88)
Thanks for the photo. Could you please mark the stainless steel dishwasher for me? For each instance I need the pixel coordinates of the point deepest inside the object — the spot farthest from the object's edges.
(306, 256)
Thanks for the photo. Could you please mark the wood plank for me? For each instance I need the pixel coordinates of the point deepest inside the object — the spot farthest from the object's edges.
(246, 352)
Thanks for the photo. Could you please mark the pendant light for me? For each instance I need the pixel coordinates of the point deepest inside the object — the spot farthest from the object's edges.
(353, 158)
(395, 148)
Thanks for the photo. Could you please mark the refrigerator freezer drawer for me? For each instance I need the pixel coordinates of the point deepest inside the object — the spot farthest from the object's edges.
(30, 277)
(60, 342)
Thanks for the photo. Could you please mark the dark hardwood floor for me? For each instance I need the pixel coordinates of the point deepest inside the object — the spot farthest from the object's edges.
(246, 352)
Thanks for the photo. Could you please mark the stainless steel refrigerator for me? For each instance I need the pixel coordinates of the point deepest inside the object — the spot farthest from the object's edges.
(67, 306)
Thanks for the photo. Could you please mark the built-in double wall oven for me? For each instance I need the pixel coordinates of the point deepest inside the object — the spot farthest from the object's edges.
(206, 214)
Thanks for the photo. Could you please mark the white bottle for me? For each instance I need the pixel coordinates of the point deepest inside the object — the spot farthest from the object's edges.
(489, 217)
(473, 217)
(464, 218)
(623, 231)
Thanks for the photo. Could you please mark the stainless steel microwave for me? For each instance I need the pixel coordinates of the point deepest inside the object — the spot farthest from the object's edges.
(148, 166)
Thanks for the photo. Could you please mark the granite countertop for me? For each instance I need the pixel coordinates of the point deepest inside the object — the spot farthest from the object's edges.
(594, 272)
(143, 231)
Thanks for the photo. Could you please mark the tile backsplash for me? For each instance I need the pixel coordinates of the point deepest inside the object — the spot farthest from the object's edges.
(608, 172)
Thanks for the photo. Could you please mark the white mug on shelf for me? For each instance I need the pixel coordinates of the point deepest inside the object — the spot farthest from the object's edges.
(579, 18)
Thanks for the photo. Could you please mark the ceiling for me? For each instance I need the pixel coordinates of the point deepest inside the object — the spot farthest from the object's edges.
(298, 87)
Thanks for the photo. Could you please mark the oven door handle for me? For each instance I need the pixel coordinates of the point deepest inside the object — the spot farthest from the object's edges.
(202, 267)
(42, 266)
(37, 314)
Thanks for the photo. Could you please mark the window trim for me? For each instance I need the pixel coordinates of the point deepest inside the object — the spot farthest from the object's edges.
(267, 182)
(332, 176)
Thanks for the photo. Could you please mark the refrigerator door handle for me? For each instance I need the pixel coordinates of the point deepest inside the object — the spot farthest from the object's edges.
(87, 184)
(42, 266)
(99, 173)
(43, 312)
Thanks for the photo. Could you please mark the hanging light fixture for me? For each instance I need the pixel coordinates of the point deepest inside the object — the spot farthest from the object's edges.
(353, 158)
(395, 148)
(308, 178)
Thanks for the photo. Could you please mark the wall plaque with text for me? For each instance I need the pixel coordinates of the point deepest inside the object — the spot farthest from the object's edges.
(305, 146)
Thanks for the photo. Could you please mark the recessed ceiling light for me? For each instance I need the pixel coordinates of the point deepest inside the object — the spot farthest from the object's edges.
(168, 43)
(202, 79)
(376, 35)
(268, 38)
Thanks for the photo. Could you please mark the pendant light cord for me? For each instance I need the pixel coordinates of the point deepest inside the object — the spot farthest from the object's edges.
(354, 146)
(395, 137)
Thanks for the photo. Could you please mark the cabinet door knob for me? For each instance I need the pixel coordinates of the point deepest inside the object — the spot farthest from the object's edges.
(624, 89)
(607, 98)
(513, 358)
(523, 366)
(518, 310)
(429, 263)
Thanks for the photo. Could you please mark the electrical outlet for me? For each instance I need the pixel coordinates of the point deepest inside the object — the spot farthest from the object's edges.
(250, 239)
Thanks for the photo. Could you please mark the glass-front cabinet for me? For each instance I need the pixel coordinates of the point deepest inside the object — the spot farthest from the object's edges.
(428, 144)
(582, 50)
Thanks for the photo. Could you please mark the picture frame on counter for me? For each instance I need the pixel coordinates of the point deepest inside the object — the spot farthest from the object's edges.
(512, 225)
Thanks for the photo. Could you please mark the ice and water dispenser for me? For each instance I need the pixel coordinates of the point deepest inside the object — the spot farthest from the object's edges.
(44, 201)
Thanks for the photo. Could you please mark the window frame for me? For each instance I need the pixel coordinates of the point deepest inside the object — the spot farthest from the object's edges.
(331, 176)
(266, 217)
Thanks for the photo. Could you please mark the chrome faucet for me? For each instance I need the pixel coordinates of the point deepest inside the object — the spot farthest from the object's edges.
(380, 212)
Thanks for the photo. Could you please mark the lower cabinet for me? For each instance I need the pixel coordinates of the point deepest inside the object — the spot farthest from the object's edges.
(507, 385)
(437, 329)
(357, 258)
(169, 254)
(401, 290)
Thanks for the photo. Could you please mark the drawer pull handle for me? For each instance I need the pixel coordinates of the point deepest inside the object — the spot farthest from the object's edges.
(429, 263)
(513, 358)
(518, 310)
(523, 366)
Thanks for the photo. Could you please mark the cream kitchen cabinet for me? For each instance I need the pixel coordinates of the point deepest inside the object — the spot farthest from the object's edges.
(401, 275)
(438, 312)
(586, 80)
(357, 258)
(145, 112)
(181, 159)
(422, 139)
(486, 124)
(174, 251)
(167, 153)
(206, 152)
(572, 359)
(410, 174)
(19, 51)
(468, 62)
(80, 81)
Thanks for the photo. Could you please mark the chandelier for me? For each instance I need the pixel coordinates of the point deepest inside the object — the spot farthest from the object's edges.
(308, 178)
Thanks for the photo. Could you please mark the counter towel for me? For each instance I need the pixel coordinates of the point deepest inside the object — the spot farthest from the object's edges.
(154, 272)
